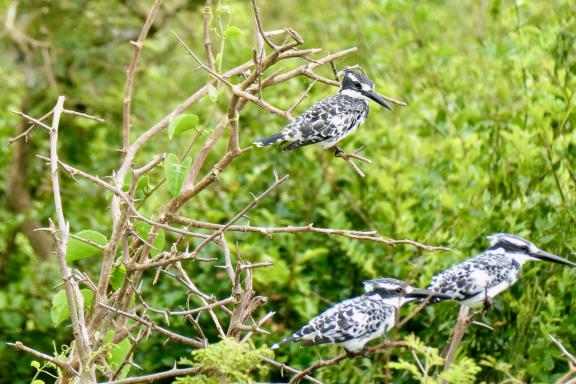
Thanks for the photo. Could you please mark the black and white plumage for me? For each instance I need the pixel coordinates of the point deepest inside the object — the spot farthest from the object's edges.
(354, 322)
(480, 278)
(332, 119)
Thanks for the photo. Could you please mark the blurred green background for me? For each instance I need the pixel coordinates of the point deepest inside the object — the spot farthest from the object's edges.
(486, 144)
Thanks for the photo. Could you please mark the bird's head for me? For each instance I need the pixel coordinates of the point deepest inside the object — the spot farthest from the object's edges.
(397, 292)
(359, 86)
(523, 250)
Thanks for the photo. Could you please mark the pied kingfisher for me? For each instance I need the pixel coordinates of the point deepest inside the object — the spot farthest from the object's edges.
(354, 322)
(480, 278)
(332, 119)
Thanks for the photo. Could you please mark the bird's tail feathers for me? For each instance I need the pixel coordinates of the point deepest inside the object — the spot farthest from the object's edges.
(269, 140)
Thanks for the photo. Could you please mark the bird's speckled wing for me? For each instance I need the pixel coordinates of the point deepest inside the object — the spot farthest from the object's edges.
(326, 122)
(475, 275)
(350, 319)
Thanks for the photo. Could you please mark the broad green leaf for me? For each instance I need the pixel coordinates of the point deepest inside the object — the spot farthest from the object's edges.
(232, 31)
(117, 277)
(117, 353)
(143, 183)
(60, 311)
(35, 364)
(175, 172)
(182, 123)
(80, 250)
(158, 243)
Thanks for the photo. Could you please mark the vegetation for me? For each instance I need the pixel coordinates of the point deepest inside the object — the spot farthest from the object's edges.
(487, 143)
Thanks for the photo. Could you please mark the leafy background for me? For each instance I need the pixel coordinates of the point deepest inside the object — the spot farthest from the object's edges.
(486, 144)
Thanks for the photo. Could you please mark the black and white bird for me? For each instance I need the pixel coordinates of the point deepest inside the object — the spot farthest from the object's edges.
(480, 278)
(354, 322)
(332, 119)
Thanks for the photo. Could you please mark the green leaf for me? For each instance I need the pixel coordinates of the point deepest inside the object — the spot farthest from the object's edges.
(60, 310)
(182, 123)
(232, 31)
(117, 278)
(143, 183)
(158, 243)
(176, 172)
(80, 250)
(37, 381)
(117, 352)
(35, 364)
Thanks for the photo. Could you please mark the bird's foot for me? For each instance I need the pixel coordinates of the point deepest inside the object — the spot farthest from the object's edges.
(487, 303)
(362, 352)
(338, 152)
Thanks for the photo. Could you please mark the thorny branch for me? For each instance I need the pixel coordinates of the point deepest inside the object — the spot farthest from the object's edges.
(336, 360)
(269, 231)
(59, 363)
(131, 72)
(114, 310)
(60, 233)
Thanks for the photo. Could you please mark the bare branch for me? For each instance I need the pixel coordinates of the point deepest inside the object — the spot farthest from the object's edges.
(207, 43)
(462, 324)
(302, 97)
(336, 360)
(85, 115)
(59, 363)
(565, 352)
(32, 120)
(61, 236)
(156, 376)
(269, 231)
(259, 26)
(130, 74)
(89, 242)
(240, 214)
(148, 167)
(236, 90)
(26, 133)
(164, 332)
(284, 367)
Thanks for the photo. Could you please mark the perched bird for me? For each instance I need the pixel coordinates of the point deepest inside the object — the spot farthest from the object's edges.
(354, 322)
(332, 119)
(480, 278)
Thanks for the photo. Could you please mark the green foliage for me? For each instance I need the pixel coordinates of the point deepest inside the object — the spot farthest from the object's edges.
(78, 249)
(462, 371)
(226, 361)
(44, 368)
(182, 123)
(144, 230)
(60, 311)
(175, 172)
(116, 353)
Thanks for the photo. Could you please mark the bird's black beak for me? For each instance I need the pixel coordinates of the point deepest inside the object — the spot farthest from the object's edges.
(425, 293)
(379, 99)
(543, 255)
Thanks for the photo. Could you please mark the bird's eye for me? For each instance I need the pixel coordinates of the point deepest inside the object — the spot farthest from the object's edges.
(357, 85)
(398, 290)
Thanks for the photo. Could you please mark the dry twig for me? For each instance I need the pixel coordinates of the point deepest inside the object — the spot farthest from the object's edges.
(138, 44)
(336, 360)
